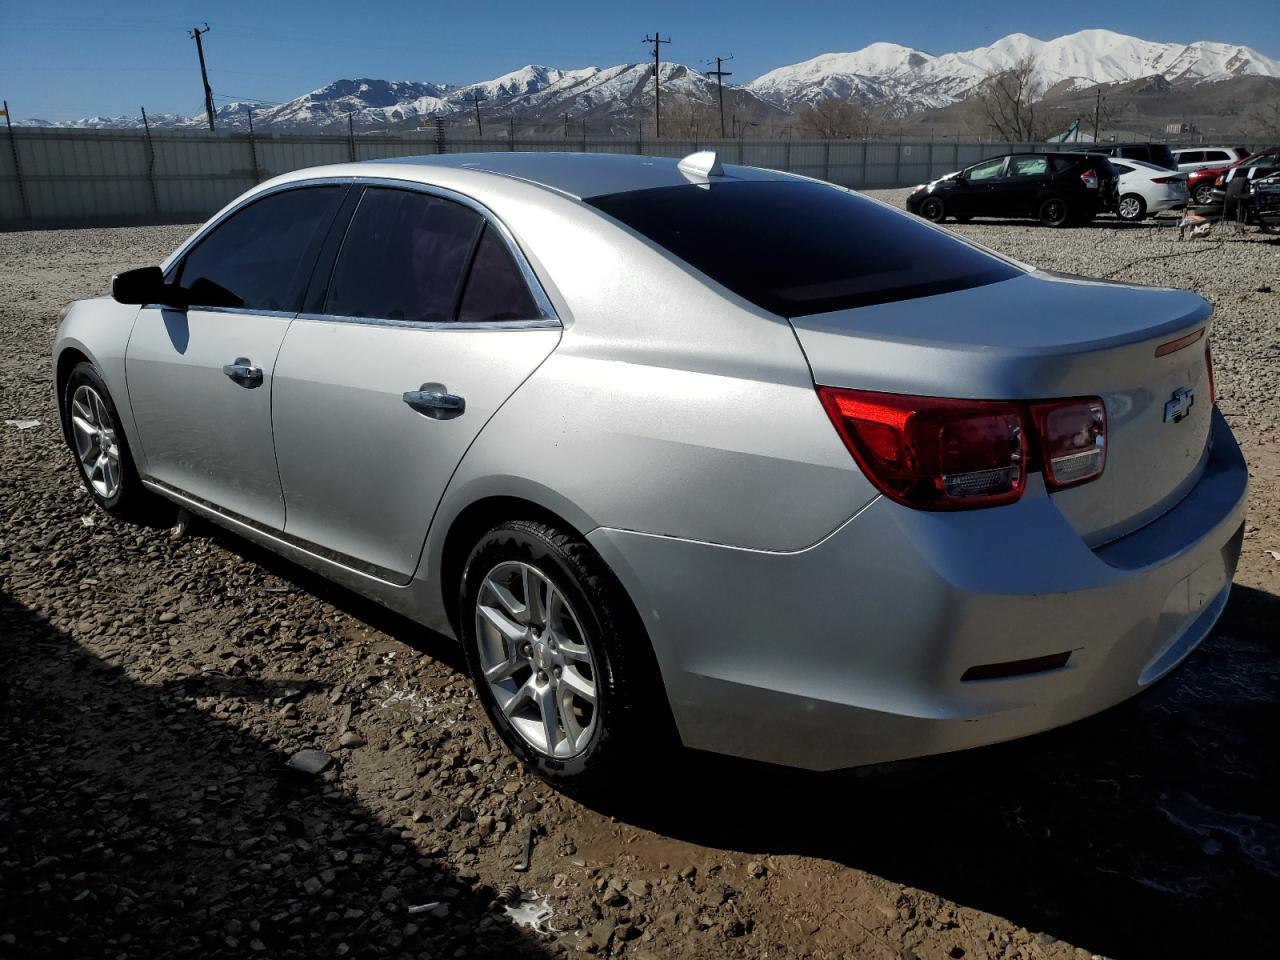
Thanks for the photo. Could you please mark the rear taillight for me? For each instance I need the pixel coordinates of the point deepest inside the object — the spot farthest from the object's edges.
(1168, 179)
(1090, 178)
(1208, 363)
(940, 454)
(1072, 435)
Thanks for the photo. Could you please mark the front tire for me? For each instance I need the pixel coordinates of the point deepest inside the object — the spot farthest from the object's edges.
(933, 209)
(96, 437)
(1131, 208)
(558, 657)
(1203, 195)
(1054, 212)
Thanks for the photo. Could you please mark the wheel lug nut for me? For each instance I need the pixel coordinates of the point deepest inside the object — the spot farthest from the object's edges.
(559, 671)
(542, 677)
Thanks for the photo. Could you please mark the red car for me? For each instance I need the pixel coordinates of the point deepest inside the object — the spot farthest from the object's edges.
(1200, 182)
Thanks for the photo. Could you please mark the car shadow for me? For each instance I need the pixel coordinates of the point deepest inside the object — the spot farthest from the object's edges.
(1149, 830)
(134, 823)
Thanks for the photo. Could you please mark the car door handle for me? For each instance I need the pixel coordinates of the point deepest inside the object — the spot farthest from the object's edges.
(244, 372)
(433, 401)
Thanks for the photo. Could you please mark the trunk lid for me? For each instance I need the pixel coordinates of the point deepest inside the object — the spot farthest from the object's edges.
(1044, 336)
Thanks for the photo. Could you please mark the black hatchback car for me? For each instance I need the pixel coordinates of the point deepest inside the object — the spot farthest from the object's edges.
(1055, 188)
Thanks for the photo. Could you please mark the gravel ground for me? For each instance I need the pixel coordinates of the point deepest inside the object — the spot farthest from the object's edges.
(155, 686)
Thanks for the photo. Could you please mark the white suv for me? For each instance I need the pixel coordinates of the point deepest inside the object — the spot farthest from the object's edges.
(1200, 158)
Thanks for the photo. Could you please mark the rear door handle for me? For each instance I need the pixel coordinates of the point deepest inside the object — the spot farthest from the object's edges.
(244, 372)
(434, 401)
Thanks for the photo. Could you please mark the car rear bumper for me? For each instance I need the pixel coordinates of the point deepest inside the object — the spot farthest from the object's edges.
(851, 651)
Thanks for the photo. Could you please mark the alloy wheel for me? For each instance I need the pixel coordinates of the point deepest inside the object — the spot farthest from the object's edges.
(97, 448)
(535, 658)
(1130, 208)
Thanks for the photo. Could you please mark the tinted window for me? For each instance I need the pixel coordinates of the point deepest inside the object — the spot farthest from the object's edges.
(1028, 166)
(985, 171)
(1217, 156)
(495, 289)
(798, 248)
(1121, 167)
(1192, 156)
(261, 256)
(403, 258)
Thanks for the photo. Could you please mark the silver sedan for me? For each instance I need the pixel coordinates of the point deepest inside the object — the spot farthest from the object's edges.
(681, 452)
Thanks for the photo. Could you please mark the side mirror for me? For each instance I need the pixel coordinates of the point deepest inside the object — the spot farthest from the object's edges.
(145, 285)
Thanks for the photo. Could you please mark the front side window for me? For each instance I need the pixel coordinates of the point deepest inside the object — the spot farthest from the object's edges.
(261, 256)
(495, 289)
(797, 248)
(985, 171)
(1028, 166)
(1191, 156)
(404, 257)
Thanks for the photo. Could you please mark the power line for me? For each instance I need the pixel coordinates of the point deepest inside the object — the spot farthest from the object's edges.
(720, 73)
(195, 35)
(657, 42)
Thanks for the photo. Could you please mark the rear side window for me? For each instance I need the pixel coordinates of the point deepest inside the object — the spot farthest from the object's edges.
(797, 248)
(1028, 166)
(495, 289)
(261, 256)
(1193, 156)
(403, 258)
(1217, 156)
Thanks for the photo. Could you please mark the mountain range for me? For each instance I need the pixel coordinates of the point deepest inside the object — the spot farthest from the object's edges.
(614, 99)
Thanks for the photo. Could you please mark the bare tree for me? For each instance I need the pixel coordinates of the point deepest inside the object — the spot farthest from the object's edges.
(1007, 101)
(1265, 119)
(842, 120)
(687, 119)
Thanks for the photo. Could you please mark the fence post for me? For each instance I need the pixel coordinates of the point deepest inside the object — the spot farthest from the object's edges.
(862, 185)
(929, 175)
(897, 164)
(17, 165)
(826, 161)
(151, 162)
(956, 158)
(351, 140)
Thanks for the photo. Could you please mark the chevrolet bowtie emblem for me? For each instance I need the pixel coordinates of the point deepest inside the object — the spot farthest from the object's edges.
(1180, 405)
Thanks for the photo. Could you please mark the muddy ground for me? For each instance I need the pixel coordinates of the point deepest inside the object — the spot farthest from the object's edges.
(154, 686)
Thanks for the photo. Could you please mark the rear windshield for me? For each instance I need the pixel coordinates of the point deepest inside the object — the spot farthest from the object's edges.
(797, 248)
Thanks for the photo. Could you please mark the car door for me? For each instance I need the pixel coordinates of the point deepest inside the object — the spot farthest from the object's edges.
(430, 321)
(972, 194)
(1017, 192)
(200, 379)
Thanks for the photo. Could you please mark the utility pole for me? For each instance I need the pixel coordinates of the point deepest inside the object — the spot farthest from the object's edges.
(195, 35)
(475, 98)
(1097, 112)
(657, 42)
(720, 73)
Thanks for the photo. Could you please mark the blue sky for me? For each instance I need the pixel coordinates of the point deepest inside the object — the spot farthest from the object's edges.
(107, 58)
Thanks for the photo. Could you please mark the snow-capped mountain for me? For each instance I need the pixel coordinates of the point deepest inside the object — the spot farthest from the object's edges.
(887, 70)
(615, 99)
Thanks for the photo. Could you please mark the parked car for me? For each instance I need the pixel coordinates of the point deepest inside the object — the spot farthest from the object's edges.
(1200, 158)
(1055, 188)
(681, 452)
(1260, 164)
(1200, 185)
(1157, 153)
(1145, 188)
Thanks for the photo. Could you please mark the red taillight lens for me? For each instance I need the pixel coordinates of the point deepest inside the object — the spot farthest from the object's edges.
(1208, 363)
(1073, 440)
(932, 453)
(1090, 178)
(1167, 179)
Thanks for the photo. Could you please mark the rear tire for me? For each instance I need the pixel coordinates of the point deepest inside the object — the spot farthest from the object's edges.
(1054, 212)
(91, 425)
(1203, 195)
(933, 209)
(559, 657)
(1131, 208)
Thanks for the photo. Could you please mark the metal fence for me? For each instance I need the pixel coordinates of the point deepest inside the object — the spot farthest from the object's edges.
(129, 176)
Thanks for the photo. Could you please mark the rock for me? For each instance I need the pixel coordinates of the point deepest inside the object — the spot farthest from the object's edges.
(351, 740)
(639, 888)
(311, 762)
(167, 617)
(404, 793)
(312, 885)
(756, 869)
(288, 712)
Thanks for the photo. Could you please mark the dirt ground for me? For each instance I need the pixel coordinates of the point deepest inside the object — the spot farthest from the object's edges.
(154, 686)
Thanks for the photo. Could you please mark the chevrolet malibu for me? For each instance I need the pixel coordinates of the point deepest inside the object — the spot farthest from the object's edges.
(681, 452)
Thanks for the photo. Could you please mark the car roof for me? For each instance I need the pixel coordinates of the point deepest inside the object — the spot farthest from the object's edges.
(580, 175)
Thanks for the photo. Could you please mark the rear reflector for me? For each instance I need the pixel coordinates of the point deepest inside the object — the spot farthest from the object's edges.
(1073, 440)
(1173, 346)
(1016, 668)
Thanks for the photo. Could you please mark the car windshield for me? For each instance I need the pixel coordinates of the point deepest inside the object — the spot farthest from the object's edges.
(797, 248)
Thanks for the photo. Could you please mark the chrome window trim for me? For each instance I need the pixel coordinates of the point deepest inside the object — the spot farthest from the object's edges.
(285, 314)
(543, 323)
(536, 289)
